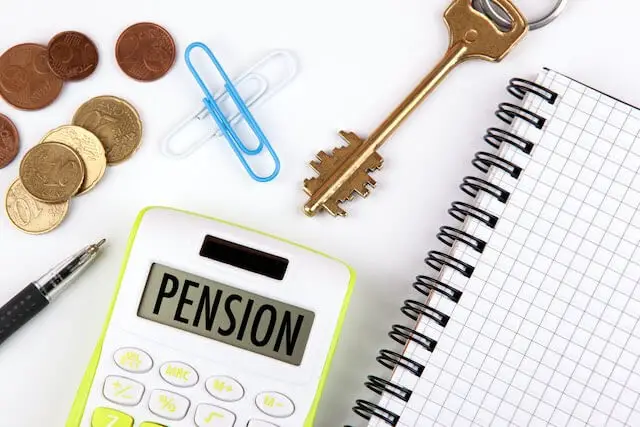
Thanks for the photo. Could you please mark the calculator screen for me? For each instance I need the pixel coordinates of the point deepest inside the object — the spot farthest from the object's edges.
(223, 313)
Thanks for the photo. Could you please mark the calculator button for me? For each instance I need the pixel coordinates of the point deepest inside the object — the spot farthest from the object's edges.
(275, 404)
(133, 360)
(168, 405)
(179, 374)
(150, 424)
(122, 390)
(260, 423)
(214, 416)
(224, 388)
(107, 417)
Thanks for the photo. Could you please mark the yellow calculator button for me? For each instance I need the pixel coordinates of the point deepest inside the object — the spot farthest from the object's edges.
(150, 424)
(107, 417)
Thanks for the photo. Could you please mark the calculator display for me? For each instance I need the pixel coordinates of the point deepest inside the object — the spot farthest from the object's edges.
(223, 313)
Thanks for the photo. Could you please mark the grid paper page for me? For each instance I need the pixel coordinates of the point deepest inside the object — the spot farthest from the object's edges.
(547, 331)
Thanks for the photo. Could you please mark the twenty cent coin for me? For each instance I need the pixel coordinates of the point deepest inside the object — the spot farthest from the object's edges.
(26, 81)
(115, 122)
(30, 215)
(72, 55)
(145, 51)
(88, 146)
(9, 141)
(52, 172)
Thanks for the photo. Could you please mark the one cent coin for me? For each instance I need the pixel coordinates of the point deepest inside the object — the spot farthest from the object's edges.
(115, 122)
(26, 81)
(72, 55)
(52, 172)
(88, 146)
(145, 51)
(30, 215)
(9, 141)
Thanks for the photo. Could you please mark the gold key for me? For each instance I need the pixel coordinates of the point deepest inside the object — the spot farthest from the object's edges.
(345, 171)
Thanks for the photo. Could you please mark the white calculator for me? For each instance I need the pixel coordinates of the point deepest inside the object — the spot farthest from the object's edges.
(214, 325)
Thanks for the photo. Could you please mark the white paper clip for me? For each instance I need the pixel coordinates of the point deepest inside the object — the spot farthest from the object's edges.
(263, 89)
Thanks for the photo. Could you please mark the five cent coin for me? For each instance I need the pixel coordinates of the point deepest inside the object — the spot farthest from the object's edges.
(52, 172)
(26, 81)
(30, 215)
(145, 51)
(72, 55)
(9, 141)
(115, 122)
(88, 146)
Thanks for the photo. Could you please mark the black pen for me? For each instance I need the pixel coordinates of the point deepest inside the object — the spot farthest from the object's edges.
(37, 295)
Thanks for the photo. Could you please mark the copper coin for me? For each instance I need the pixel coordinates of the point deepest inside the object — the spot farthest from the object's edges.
(26, 81)
(145, 51)
(72, 55)
(9, 141)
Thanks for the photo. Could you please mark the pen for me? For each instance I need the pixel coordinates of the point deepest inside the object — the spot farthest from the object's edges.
(37, 295)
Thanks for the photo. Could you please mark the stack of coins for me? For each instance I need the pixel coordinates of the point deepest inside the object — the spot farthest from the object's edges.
(32, 75)
(70, 161)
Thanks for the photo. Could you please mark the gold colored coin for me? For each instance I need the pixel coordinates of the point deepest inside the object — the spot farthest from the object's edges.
(88, 146)
(30, 215)
(52, 172)
(115, 122)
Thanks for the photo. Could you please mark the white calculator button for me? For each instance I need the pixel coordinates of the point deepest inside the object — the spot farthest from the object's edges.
(179, 374)
(168, 405)
(224, 388)
(260, 423)
(122, 390)
(133, 360)
(275, 404)
(214, 416)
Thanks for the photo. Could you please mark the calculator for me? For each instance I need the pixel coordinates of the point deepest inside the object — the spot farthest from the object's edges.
(214, 325)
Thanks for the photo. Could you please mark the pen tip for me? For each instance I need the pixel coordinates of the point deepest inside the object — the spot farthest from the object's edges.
(100, 243)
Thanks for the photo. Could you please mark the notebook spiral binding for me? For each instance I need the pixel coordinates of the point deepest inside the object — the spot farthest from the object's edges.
(437, 260)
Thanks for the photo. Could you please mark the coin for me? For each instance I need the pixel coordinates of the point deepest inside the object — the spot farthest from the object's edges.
(26, 81)
(72, 55)
(115, 122)
(9, 141)
(52, 172)
(30, 215)
(145, 51)
(88, 146)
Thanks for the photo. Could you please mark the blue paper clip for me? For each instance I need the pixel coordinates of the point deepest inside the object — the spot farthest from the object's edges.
(224, 125)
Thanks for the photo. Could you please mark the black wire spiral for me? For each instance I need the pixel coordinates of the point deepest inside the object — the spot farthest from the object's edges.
(437, 260)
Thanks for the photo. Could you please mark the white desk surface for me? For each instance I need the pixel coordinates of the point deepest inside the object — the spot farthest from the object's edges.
(358, 60)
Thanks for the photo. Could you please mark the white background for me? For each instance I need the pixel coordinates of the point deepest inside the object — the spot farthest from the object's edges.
(358, 59)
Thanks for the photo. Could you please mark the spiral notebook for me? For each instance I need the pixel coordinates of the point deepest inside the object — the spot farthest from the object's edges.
(532, 317)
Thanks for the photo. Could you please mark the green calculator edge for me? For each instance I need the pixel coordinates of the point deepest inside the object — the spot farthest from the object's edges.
(79, 404)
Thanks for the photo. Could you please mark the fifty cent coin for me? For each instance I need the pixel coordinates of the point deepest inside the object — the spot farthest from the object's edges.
(72, 55)
(26, 81)
(30, 215)
(52, 172)
(88, 146)
(115, 122)
(9, 141)
(145, 51)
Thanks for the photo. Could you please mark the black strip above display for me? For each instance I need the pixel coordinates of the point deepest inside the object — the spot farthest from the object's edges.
(244, 257)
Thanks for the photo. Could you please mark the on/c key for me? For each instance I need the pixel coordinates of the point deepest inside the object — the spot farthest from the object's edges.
(107, 417)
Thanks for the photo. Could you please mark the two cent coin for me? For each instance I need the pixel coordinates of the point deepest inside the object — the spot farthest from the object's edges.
(145, 51)
(26, 81)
